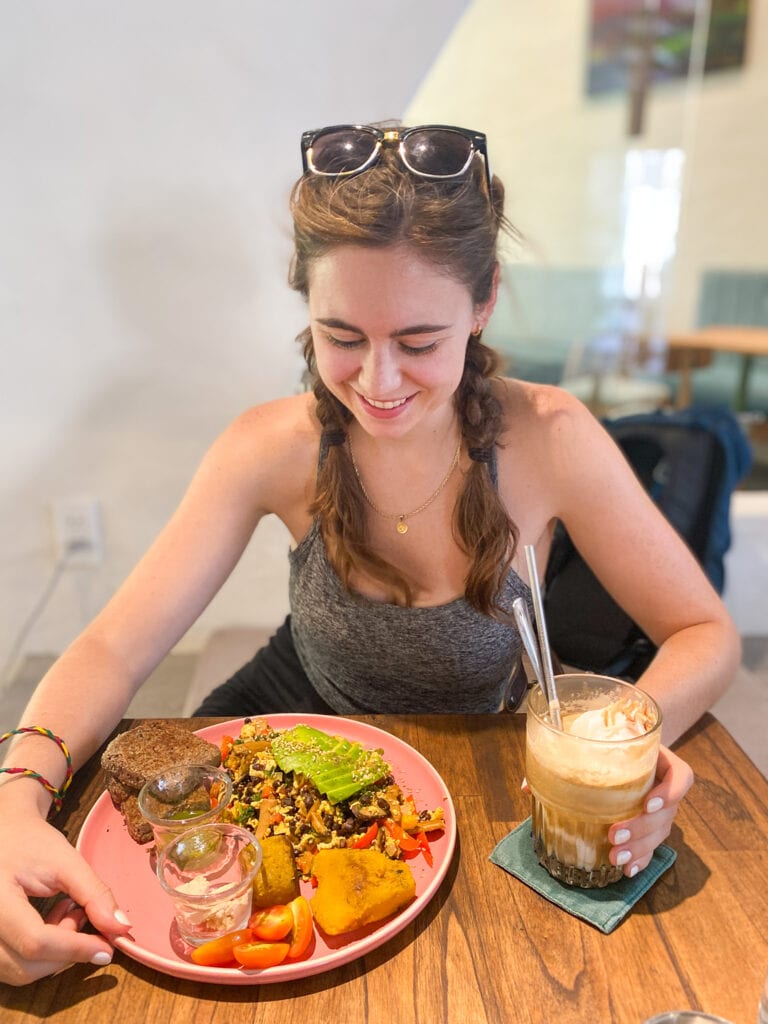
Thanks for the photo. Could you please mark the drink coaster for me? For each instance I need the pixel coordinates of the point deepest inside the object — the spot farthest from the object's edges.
(604, 908)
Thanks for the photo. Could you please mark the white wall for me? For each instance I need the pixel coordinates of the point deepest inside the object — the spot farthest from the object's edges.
(146, 155)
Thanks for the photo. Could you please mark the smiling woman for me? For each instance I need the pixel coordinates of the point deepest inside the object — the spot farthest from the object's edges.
(408, 424)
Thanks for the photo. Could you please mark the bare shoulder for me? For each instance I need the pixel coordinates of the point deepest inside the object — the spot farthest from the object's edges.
(282, 422)
(556, 448)
(271, 449)
(543, 413)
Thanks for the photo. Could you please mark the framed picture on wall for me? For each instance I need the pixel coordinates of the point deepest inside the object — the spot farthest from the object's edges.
(654, 38)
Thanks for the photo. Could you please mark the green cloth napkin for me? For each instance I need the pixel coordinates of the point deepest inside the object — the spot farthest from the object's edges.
(604, 908)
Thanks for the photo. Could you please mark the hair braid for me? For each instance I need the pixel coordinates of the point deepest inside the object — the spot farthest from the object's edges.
(481, 522)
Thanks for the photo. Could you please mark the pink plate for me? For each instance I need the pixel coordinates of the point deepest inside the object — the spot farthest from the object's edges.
(126, 867)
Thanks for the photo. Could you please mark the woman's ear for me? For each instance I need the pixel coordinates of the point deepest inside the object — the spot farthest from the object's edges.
(484, 311)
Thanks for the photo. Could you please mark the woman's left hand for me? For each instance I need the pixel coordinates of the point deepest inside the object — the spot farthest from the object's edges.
(635, 840)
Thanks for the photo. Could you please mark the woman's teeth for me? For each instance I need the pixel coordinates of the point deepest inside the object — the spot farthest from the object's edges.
(386, 405)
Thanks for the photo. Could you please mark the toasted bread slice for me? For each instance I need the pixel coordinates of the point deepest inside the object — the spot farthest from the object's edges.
(138, 827)
(133, 757)
(118, 791)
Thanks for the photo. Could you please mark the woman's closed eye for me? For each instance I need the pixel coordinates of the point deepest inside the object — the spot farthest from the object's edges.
(344, 343)
(352, 343)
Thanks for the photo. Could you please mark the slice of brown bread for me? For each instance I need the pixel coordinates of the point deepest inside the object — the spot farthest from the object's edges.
(118, 791)
(138, 827)
(135, 756)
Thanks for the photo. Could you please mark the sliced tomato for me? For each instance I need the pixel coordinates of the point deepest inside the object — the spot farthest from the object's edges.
(271, 923)
(302, 927)
(219, 952)
(226, 746)
(364, 841)
(255, 955)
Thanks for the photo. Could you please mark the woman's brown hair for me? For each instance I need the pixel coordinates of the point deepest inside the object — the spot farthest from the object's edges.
(455, 226)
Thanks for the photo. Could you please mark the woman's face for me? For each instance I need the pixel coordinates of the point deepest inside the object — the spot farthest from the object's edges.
(390, 332)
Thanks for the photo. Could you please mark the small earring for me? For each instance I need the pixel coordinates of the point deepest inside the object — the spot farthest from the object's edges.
(477, 331)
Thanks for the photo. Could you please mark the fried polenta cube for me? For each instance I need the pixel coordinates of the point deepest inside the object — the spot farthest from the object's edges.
(277, 880)
(358, 887)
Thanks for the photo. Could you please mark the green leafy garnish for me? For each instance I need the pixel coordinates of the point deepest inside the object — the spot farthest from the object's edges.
(337, 767)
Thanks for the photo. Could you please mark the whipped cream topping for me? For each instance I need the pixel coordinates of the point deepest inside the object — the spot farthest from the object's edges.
(621, 720)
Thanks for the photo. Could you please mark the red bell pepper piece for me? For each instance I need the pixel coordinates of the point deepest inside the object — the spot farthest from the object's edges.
(364, 841)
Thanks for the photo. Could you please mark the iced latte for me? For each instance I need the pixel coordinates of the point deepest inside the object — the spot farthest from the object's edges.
(594, 772)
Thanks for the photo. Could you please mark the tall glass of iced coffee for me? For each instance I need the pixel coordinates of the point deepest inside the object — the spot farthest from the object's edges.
(593, 772)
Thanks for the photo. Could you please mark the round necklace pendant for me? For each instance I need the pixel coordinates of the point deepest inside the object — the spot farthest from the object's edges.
(402, 526)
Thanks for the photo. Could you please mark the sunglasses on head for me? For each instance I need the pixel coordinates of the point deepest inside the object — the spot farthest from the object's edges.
(436, 151)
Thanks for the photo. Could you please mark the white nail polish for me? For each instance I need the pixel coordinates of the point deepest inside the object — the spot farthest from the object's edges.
(101, 959)
(654, 804)
(621, 836)
(121, 918)
(633, 870)
(623, 858)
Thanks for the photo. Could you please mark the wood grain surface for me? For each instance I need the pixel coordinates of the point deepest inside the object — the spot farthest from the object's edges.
(487, 949)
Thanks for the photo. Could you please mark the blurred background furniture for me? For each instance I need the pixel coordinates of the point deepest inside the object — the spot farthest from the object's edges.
(729, 347)
(572, 326)
(697, 348)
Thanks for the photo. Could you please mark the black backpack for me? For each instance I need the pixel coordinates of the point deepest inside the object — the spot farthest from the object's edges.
(689, 461)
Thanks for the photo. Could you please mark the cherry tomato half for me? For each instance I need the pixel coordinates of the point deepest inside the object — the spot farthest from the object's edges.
(254, 955)
(219, 952)
(271, 923)
(302, 927)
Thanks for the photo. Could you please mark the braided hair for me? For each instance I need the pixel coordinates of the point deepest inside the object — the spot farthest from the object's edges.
(455, 225)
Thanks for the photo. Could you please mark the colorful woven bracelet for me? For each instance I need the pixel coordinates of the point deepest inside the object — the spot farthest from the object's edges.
(57, 794)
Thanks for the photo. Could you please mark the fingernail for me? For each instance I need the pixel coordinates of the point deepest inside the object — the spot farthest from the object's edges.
(101, 959)
(633, 870)
(623, 858)
(121, 918)
(654, 804)
(621, 836)
(524, 783)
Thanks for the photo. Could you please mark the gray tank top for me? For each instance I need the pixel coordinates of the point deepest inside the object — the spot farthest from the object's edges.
(365, 656)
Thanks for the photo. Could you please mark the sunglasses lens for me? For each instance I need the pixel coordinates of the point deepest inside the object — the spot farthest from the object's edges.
(437, 152)
(343, 151)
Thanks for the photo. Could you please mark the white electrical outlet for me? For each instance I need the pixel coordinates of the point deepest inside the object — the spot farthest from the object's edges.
(77, 531)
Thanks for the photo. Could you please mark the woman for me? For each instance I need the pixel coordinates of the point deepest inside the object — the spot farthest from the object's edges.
(410, 480)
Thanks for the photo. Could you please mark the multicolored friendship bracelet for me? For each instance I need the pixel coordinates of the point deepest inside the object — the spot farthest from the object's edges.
(57, 794)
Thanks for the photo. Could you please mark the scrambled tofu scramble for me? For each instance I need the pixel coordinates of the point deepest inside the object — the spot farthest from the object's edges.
(270, 801)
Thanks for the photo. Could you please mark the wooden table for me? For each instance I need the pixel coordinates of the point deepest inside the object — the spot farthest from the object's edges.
(488, 949)
(688, 351)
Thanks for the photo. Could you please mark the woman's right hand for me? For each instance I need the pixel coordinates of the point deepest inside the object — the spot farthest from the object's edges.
(37, 860)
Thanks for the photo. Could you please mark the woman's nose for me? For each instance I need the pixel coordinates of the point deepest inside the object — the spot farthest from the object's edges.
(379, 372)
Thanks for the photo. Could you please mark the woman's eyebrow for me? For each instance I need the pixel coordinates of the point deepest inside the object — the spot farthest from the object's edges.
(403, 332)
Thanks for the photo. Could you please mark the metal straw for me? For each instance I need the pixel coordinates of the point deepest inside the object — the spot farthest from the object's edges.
(520, 611)
(548, 680)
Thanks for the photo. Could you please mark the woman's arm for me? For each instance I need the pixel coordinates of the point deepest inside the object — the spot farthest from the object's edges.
(651, 574)
(645, 566)
(260, 464)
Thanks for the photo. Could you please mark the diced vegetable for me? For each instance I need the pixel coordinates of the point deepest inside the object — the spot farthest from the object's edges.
(364, 841)
(404, 841)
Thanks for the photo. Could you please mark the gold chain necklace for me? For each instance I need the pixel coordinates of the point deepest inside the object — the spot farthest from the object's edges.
(402, 526)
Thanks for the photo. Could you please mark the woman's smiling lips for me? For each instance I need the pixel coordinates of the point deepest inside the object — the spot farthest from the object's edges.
(384, 410)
